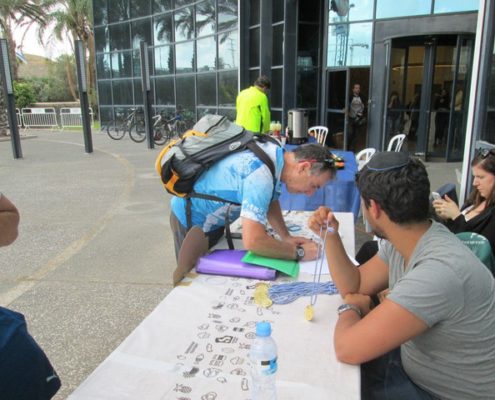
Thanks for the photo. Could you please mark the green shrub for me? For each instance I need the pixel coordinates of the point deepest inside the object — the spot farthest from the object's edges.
(24, 94)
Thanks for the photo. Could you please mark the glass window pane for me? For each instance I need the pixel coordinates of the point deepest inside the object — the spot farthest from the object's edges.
(229, 113)
(118, 11)
(276, 88)
(307, 80)
(253, 75)
(403, 8)
(308, 45)
(227, 88)
(164, 60)
(185, 92)
(184, 24)
(161, 6)
(180, 3)
(358, 11)
(162, 29)
(105, 92)
(207, 89)
(254, 12)
(227, 50)
(278, 45)
(139, 8)
(207, 51)
(121, 64)
(278, 10)
(102, 42)
(141, 30)
(165, 91)
(184, 53)
(100, 14)
(138, 91)
(227, 14)
(122, 91)
(445, 6)
(488, 133)
(106, 115)
(103, 66)
(205, 18)
(254, 47)
(349, 44)
(120, 37)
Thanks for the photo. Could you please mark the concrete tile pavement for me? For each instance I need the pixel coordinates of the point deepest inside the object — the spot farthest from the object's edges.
(95, 254)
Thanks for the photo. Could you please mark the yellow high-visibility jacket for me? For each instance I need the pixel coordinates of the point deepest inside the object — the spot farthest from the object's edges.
(253, 111)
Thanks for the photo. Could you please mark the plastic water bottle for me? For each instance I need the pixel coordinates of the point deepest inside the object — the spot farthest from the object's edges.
(263, 358)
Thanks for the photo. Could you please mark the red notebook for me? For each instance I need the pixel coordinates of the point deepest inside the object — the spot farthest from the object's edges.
(229, 262)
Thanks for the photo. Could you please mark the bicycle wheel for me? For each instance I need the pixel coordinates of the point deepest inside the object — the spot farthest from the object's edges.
(160, 136)
(115, 130)
(137, 131)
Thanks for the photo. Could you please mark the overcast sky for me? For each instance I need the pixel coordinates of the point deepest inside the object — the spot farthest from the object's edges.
(52, 49)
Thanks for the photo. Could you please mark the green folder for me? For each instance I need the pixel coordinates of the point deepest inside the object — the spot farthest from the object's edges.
(289, 267)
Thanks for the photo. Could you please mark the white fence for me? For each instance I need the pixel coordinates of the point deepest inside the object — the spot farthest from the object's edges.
(18, 115)
(72, 117)
(39, 118)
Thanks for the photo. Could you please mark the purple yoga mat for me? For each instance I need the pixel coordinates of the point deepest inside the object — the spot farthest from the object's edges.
(228, 262)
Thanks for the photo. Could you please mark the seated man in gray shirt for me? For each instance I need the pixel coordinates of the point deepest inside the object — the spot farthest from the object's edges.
(434, 335)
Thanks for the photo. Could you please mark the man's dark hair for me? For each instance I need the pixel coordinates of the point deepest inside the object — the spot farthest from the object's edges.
(263, 82)
(321, 159)
(402, 191)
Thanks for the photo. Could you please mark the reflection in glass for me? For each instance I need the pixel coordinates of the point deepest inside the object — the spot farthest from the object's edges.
(103, 66)
(120, 37)
(100, 14)
(254, 12)
(139, 8)
(161, 6)
(106, 115)
(122, 91)
(277, 10)
(118, 10)
(105, 92)
(307, 45)
(349, 44)
(164, 60)
(185, 92)
(162, 29)
(445, 6)
(184, 24)
(227, 88)
(207, 51)
(403, 8)
(138, 91)
(102, 42)
(140, 30)
(254, 47)
(358, 11)
(184, 54)
(307, 80)
(164, 88)
(121, 64)
(227, 50)
(488, 132)
(276, 88)
(229, 113)
(205, 18)
(227, 14)
(253, 75)
(207, 89)
(278, 45)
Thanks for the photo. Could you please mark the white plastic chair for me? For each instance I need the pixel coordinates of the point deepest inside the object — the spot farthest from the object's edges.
(396, 142)
(364, 156)
(320, 133)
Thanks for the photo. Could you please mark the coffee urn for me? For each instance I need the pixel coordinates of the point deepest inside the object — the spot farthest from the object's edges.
(298, 126)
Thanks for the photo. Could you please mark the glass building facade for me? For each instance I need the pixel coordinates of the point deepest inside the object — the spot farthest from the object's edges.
(203, 52)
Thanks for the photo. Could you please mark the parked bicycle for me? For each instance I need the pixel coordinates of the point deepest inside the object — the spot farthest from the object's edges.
(133, 121)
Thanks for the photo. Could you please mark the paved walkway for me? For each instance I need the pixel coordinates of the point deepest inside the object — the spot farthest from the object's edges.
(94, 255)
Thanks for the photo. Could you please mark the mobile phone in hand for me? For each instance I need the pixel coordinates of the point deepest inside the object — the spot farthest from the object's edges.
(436, 196)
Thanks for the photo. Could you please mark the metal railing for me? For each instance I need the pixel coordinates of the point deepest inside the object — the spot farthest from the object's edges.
(72, 117)
(39, 118)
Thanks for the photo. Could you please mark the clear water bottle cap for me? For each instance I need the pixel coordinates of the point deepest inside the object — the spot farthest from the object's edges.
(263, 329)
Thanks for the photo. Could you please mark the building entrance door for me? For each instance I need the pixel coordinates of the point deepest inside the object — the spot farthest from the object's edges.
(427, 93)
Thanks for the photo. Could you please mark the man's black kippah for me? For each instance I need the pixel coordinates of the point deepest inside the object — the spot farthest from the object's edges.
(388, 160)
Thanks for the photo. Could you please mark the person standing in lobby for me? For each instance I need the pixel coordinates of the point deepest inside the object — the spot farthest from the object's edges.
(253, 110)
(355, 112)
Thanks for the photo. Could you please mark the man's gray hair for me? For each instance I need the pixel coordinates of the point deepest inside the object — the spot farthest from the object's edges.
(319, 156)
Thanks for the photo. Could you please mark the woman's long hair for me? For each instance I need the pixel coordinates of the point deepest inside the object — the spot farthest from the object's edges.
(486, 164)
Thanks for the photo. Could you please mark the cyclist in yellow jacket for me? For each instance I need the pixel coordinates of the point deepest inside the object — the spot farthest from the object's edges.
(253, 111)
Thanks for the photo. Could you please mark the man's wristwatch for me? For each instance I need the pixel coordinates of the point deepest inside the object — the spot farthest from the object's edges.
(346, 307)
(299, 252)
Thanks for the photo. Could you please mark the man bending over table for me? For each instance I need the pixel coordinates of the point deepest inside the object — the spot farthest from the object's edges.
(434, 334)
(243, 178)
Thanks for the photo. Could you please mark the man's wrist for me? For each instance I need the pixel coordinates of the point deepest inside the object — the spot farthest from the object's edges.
(349, 307)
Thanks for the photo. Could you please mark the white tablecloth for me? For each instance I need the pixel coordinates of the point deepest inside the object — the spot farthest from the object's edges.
(194, 345)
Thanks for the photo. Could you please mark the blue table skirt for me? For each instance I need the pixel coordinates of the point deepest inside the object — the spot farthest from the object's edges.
(340, 194)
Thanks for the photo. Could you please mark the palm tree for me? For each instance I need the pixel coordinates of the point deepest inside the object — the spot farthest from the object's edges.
(74, 17)
(15, 12)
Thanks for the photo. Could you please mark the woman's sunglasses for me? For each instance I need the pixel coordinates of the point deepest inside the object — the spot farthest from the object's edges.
(484, 153)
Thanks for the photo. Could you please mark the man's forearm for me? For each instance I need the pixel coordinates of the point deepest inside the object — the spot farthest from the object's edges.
(276, 219)
(344, 273)
(268, 246)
